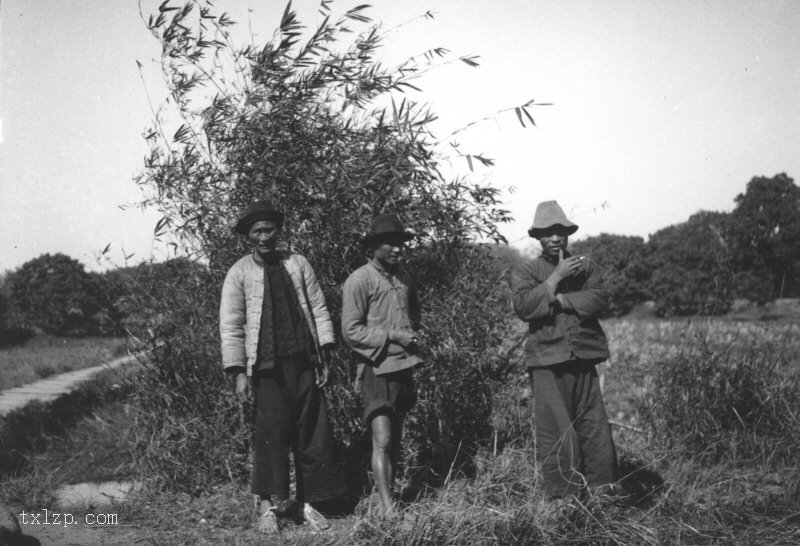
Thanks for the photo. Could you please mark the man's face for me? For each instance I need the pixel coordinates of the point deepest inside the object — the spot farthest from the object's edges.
(263, 236)
(553, 240)
(388, 250)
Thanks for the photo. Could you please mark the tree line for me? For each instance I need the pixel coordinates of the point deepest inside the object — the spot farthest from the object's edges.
(700, 266)
(55, 294)
(705, 264)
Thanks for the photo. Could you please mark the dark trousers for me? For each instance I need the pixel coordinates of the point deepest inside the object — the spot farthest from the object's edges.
(573, 439)
(291, 415)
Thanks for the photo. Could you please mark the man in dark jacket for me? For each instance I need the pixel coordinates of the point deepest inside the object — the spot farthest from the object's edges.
(561, 296)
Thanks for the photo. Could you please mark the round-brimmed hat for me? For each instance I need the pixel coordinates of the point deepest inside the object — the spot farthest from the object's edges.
(549, 214)
(257, 211)
(384, 225)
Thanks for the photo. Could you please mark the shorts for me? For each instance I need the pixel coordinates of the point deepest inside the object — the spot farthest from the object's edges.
(394, 392)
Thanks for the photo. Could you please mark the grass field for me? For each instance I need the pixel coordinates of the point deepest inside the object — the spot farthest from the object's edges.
(640, 347)
(43, 355)
(712, 407)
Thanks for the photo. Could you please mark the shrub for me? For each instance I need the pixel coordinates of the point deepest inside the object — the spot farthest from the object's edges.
(183, 408)
(466, 323)
(55, 293)
(315, 127)
(153, 298)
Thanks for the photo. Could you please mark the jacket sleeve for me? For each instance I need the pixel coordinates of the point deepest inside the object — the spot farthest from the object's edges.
(592, 300)
(368, 342)
(232, 318)
(322, 318)
(530, 297)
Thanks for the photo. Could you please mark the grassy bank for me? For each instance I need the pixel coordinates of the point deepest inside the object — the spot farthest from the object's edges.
(709, 409)
(43, 355)
(78, 437)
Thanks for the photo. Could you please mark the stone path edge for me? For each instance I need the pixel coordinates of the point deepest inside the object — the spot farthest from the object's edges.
(47, 390)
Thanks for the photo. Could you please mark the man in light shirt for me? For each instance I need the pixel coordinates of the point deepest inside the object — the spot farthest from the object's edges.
(380, 318)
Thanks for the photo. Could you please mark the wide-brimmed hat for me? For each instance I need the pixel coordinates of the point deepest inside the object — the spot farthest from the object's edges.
(385, 225)
(257, 211)
(549, 214)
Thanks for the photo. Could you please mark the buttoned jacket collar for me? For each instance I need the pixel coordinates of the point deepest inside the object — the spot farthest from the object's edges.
(382, 270)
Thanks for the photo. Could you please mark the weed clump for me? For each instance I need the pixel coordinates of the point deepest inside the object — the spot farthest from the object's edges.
(721, 402)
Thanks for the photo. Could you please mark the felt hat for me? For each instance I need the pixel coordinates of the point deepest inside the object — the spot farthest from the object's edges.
(257, 211)
(387, 224)
(549, 214)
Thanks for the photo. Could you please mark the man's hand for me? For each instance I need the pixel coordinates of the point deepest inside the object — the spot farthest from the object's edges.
(243, 388)
(403, 337)
(567, 267)
(323, 372)
(357, 384)
(359, 378)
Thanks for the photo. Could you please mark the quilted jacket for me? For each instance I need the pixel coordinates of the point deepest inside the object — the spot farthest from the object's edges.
(240, 308)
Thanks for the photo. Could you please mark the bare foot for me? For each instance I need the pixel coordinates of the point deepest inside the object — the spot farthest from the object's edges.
(388, 511)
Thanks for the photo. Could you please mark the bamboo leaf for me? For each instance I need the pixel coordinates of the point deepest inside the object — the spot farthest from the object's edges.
(324, 7)
(470, 60)
(163, 222)
(356, 15)
(485, 161)
(406, 84)
(527, 115)
(225, 20)
(164, 8)
(181, 133)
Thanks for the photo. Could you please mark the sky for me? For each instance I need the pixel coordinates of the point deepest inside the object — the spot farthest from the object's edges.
(659, 109)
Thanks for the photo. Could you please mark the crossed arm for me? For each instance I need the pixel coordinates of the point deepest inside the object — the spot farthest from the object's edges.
(534, 298)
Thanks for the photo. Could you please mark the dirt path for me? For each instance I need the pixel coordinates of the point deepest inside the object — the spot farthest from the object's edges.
(51, 388)
(79, 534)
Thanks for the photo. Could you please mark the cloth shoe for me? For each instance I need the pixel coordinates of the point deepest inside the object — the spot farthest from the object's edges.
(315, 520)
(268, 523)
